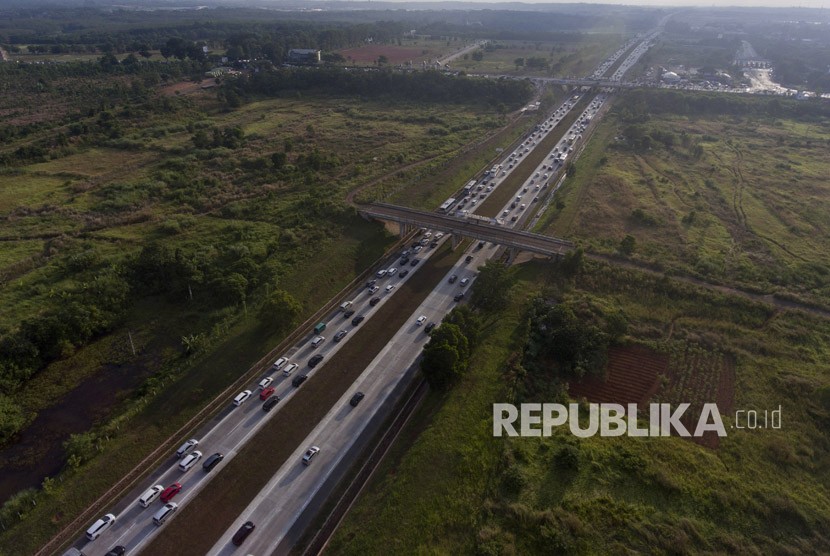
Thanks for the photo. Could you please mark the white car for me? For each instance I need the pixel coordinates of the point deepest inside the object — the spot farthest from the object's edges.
(381, 273)
(241, 397)
(421, 320)
(310, 453)
(439, 235)
(189, 461)
(100, 526)
(391, 271)
(279, 363)
(265, 382)
(464, 282)
(290, 369)
(390, 287)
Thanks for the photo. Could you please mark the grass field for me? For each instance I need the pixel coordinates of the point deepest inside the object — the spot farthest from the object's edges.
(95, 204)
(450, 487)
(748, 210)
(562, 59)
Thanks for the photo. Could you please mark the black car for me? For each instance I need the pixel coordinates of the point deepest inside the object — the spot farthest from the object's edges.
(371, 283)
(117, 551)
(357, 320)
(413, 262)
(468, 259)
(480, 245)
(348, 313)
(459, 296)
(434, 243)
(428, 328)
(269, 405)
(213, 461)
(356, 399)
(299, 380)
(243, 533)
(404, 261)
(403, 273)
(315, 360)
(374, 301)
(453, 278)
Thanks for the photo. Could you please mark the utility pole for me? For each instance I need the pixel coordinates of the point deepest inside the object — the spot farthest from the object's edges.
(132, 346)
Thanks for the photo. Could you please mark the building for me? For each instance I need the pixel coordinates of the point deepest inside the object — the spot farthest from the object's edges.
(303, 56)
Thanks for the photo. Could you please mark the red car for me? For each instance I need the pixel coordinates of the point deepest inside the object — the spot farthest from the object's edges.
(170, 492)
(266, 392)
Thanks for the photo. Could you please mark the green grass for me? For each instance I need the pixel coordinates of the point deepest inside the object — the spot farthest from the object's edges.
(748, 212)
(450, 487)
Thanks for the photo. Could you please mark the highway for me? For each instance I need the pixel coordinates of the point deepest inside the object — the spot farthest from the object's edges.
(277, 507)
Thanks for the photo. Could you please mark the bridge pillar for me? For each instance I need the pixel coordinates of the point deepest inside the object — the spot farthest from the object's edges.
(403, 229)
(456, 240)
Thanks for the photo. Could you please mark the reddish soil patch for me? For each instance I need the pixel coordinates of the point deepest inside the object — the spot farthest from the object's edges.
(395, 54)
(636, 374)
(632, 376)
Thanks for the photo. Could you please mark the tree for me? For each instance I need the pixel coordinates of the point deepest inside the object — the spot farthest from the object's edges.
(280, 310)
(231, 289)
(519, 62)
(627, 245)
(279, 159)
(446, 356)
(491, 292)
(382, 60)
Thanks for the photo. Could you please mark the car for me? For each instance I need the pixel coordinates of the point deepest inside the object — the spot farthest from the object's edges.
(403, 273)
(428, 328)
(374, 301)
(190, 461)
(186, 448)
(373, 290)
(414, 262)
(269, 405)
(298, 380)
(371, 283)
(433, 244)
(468, 259)
(417, 249)
(505, 212)
(170, 492)
(464, 282)
(357, 320)
(480, 245)
(356, 399)
(310, 453)
(348, 313)
(265, 383)
(161, 516)
(459, 296)
(266, 393)
(421, 320)
(428, 234)
(100, 526)
(214, 460)
(117, 551)
(424, 241)
(316, 341)
(390, 287)
(150, 495)
(279, 363)
(453, 278)
(524, 206)
(243, 533)
(381, 273)
(513, 205)
(391, 271)
(514, 218)
(314, 361)
(439, 235)
(405, 254)
(290, 369)
(241, 398)
(404, 261)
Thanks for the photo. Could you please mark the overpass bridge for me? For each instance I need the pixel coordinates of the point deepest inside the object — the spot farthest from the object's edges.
(473, 226)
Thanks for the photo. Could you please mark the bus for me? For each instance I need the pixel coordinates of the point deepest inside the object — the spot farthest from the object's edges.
(447, 204)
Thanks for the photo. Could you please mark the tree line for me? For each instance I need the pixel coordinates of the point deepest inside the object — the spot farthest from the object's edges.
(421, 86)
